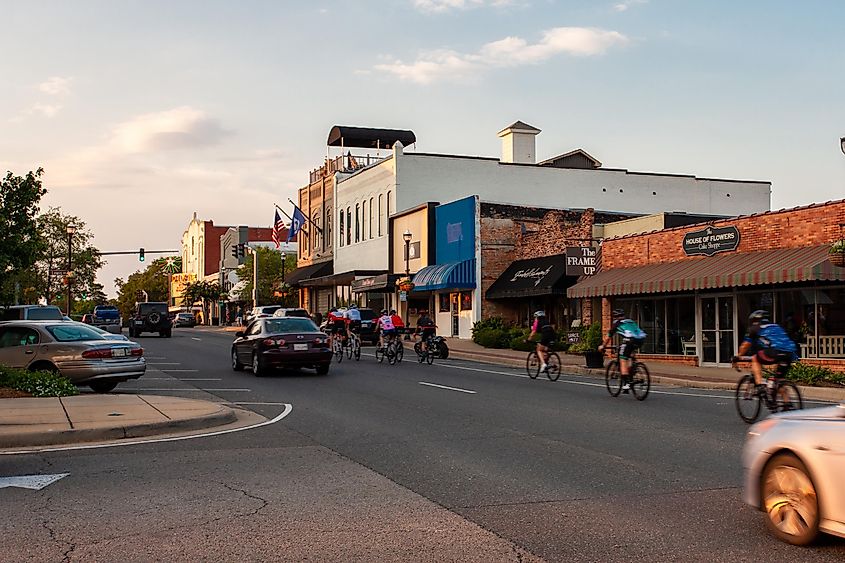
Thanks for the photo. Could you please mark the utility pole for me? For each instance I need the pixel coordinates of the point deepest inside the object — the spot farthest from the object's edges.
(71, 230)
(254, 276)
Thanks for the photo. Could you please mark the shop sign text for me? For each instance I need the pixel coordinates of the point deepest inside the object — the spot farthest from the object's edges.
(580, 261)
(711, 240)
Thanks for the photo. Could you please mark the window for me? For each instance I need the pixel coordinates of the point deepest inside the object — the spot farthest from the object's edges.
(74, 332)
(379, 214)
(328, 235)
(348, 225)
(18, 336)
(443, 301)
(370, 219)
(357, 222)
(341, 231)
(364, 220)
(193, 246)
(388, 204)
(466, 301)
(315, 233)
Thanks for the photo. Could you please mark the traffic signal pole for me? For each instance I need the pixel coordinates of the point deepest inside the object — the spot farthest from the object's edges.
(254, 277)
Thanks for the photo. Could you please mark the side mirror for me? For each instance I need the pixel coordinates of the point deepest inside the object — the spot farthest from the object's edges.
(239, 334)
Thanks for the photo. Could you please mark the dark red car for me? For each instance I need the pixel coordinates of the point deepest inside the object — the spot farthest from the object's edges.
(275, 342)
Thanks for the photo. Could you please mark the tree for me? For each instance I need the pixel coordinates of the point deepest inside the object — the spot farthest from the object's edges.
(21, 243)
(207, 293)
(152, 280)
(269, 277)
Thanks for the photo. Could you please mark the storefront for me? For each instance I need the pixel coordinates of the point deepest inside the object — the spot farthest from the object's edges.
(313, 298)
(375, 292)
(450, 288)
(694, 299)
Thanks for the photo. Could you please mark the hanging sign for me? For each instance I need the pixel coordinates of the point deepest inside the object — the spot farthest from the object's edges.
(711, 240)
(580, 260)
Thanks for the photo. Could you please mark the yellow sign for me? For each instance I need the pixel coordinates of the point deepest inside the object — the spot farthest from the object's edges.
(178, 282)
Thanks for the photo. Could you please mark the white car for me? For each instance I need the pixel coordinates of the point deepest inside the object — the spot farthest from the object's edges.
(795, 472)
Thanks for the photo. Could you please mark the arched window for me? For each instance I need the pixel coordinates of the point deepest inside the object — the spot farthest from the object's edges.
(364, 220)
(370, 219)
(388, 204)
(379, 214)
(349, 225)
(341, 231)
(357, 222)
(328, 235)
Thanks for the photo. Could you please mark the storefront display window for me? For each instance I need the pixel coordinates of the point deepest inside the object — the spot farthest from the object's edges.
(466, 301)
(669, 323)
(443, 301)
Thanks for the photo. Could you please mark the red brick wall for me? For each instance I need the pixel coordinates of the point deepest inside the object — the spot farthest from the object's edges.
(212, 236)
(805, 226)
(498, 236)
(555, 231)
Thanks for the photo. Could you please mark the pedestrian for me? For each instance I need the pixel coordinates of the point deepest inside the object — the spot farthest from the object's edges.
(240, 318)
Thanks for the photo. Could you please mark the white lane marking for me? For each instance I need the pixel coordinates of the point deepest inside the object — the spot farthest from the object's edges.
(485, 371)
(287, 411)
(33, 482)
(446, 387)
(188, 389)
(195, 338)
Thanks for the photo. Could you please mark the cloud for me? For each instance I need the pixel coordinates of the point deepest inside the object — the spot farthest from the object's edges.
(180, 128)
(625, 4)
(56, 86)
(441, 6)
(508, 52)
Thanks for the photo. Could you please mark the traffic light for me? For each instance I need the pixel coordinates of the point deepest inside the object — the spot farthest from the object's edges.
(140, 254)
(234, 251)
(241, 250)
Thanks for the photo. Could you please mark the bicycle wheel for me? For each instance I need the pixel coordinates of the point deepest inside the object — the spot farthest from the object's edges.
(357, 349)
(553, 365)
(400, 351)
(613, 378)
(532, 364)
(640, 381)
(418, 348)
(380, 354)
(429, 357)
(338, 351)
(747, 399)
(788, 397)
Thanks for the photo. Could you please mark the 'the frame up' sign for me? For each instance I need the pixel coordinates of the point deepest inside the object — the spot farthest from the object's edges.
(711, 240)
(580, 261)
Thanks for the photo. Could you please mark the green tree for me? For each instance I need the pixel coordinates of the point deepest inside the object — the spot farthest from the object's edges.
(21, 244)
(269, 277)
(151, 279)
(204, 292)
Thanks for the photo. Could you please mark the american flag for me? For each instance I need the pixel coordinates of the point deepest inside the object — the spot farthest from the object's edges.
(278, 226)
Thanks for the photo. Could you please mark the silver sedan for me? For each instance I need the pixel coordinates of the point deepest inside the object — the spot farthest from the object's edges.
(795, 472)
(75, 350)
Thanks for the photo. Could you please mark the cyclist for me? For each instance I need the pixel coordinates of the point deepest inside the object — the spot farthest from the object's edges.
(353, 320)
(547, 337)
(385, 325)
(336, 324)
(769, 344)
(426, 329)
(632, 338)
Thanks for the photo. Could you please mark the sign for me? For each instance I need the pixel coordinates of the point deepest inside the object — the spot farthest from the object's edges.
(534, 274)
(581, 260)
(573, 337)
(403, 296)
(711, 240)
(413, 250)
(58, 273)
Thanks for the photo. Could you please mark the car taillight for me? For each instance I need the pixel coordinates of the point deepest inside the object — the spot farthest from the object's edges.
(137, 352)
(269, 342)
(97, 353)
(320, 341)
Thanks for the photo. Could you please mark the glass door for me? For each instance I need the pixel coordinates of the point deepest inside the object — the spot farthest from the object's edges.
(455, 300)
(717, 329)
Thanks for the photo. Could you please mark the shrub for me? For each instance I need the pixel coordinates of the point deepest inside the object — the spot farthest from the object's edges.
(808, 374)
(37, 383)
(496, 323)
(492, 338)
(519, 340)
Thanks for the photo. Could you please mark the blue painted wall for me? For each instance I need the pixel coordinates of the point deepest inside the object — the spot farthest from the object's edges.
(455, 228)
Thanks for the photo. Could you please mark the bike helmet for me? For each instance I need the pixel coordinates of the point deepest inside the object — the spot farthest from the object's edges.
(539, 314)
(618, 313)
(758, 316)
(353, 306)
(333, 310)
(393, 311)
(383, 312)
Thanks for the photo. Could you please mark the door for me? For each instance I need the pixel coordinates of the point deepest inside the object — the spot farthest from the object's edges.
(18, 346)
(717, 329)
(455, 299)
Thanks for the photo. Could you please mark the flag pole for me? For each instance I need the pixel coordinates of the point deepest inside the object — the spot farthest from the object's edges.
(307, 218)
(283, 212)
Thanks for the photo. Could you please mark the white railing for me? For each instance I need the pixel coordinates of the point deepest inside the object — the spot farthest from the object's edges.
(823, 347)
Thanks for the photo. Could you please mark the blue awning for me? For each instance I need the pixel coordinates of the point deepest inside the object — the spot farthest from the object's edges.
(451, 275)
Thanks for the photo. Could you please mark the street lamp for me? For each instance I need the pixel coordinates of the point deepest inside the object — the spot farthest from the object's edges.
(842, 144)
(71, 230)
(406, 236)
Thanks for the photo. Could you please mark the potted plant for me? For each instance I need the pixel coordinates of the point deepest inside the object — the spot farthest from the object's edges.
(588, 346)
(405, 284)
(836, 254)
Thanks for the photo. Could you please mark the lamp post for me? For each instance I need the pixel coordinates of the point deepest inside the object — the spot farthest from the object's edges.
(406, 236)
(71, 230)
(842, 144)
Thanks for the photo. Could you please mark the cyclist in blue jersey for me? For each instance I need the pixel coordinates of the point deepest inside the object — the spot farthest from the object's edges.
(632, 338)
(768, 344)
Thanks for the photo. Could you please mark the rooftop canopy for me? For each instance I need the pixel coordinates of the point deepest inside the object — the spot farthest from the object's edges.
(368, 138)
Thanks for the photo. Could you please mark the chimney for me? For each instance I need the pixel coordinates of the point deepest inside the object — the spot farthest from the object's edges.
(518, 143)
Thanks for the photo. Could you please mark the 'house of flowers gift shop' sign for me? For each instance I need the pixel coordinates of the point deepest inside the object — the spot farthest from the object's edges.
(711, 240)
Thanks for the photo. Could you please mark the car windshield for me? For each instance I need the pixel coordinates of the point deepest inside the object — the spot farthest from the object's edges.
(268, 310)
(73, 332)
(44, 314)
(290, 324)
(147, 308)
(367, 314)
(184, 315)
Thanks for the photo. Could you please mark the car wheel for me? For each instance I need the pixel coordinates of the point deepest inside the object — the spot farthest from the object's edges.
(168, 333)
(102, 386)
(257, 365)
(323, 369)
(444, 351)
(236, 363)
(789, 500)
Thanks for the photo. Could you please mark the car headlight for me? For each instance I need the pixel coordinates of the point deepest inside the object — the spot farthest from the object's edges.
(761, 428)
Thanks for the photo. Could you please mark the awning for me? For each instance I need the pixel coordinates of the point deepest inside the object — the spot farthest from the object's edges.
(368, 137)
(724, 270)
(383, 282)
(308, 272)
(451, 275)
(533, 277)
(343, 278)
(235, 293)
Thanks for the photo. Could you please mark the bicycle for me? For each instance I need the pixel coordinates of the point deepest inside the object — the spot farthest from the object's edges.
(426, 351)
(337, 347)
(353, 347)
(639, 378)
(392, 350)
(532, 365)
(779, 395)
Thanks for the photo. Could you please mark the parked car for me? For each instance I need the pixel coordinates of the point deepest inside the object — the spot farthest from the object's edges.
(31, 313)
(75, 350)
(88, 318)
(368, 325)
(107, 317)
(301, 313)
(794, 466)
(184, 319)
(110, 335)
(151, 317)
(281, 342)
(261, 312)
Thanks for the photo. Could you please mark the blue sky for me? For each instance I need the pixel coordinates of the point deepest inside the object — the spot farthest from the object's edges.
(142, 112)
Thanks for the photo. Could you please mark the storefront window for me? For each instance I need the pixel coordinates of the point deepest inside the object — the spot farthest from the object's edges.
(466, 301)
(747, 303)
(341, 225)
(669, 323)
(443, 300)
(680, 326)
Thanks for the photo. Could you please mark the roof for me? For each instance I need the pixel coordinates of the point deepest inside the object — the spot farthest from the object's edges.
(553, 161)
(449, 275)
(721, 271)
(519, 126)
(532, 277)
(368, 137)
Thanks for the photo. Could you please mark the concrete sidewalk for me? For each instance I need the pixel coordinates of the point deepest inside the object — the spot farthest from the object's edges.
(666, 373)
(28, 422)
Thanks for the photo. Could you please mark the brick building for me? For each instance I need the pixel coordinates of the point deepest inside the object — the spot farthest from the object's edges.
(692, 288)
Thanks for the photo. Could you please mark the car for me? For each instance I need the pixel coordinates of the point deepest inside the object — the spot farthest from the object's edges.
(107, 317)
(88, 319)
(275, 342)
(368, 325)
(31, 313)
(151, 316)
(110, 335)
(261, 312)
(794, 465)
(184, 319)
(75, 350)
(292, 312)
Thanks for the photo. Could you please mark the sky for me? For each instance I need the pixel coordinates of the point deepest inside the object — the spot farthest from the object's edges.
(143, 112)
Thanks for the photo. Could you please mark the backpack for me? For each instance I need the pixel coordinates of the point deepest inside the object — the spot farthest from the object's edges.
(773, 336)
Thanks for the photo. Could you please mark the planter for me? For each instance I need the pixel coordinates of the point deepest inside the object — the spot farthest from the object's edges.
(594, 359)
(406, 287)
(837, 259)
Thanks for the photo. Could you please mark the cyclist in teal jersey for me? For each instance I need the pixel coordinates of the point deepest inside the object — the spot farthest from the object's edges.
(632, 338)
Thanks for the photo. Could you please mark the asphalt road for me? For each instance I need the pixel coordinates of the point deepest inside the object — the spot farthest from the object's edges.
(455, 461)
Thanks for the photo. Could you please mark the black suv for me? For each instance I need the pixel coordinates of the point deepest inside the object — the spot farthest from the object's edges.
(368, 326)
(151, 317)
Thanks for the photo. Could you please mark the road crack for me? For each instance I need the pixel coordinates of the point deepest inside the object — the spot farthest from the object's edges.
(264, 502)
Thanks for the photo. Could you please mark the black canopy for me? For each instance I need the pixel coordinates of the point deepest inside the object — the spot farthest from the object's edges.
(308, 272)
(533, 277)
(368, 138)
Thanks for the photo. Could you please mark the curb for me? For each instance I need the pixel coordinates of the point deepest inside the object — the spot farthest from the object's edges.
(224, 415)
(811, 393)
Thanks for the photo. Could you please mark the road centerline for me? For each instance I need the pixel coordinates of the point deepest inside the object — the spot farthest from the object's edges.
(447, 387)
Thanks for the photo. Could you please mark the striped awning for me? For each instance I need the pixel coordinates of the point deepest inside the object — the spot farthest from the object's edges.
(451, 275)
(720, 271)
